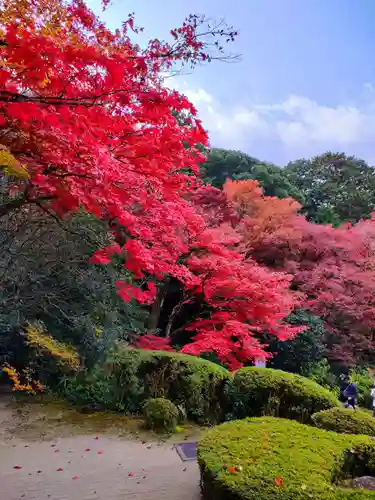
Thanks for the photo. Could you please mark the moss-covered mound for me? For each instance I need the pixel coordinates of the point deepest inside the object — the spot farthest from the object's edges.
(160, 414)
(130, 377)
(345, 420)
(277, 459)
(263, 391)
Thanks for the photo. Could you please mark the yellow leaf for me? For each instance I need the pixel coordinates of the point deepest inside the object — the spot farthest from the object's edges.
(10, 165)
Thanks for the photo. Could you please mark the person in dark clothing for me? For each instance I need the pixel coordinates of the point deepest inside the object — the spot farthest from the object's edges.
(350, 394)
(344, 384)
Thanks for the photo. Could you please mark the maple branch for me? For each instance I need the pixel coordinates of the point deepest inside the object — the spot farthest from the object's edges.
(15, 204)
(6, 96)
(58, 221)
(175, 311)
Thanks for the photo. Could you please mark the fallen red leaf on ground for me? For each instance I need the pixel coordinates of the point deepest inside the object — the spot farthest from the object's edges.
(59, 469)
(100, 453)
(17, 467)
(75, 477)
(131, 474)
(279, 482)
(88, 449)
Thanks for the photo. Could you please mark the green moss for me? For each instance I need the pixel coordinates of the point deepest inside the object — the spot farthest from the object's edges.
(161, 414)
(264, 391)
(280, 459)
(45, 419)
(344, 420)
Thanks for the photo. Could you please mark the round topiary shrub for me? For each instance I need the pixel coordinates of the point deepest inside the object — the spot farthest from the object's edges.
(345, 421)
(193, 383)
(268, 458)
(264, 391)
(161, 414)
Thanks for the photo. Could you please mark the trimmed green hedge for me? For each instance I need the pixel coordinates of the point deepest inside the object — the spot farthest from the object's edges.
(160, 414)
(269, 458)
(263, 391)
(345, 421)
(132, 376)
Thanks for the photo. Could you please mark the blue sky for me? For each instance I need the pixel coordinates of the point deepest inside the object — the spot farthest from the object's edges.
(305, 82)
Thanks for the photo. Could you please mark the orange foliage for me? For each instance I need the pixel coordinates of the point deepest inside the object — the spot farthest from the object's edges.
(264, 218)
(30, 385)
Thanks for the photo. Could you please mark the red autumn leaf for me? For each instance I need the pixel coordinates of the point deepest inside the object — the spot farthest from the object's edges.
(279, 482)
(75, 477)
(131, 474)
(88, 449)
(232, 470)
(57, 451)
(59, 469)
(97, 437)
(100, 453)
(18, 467)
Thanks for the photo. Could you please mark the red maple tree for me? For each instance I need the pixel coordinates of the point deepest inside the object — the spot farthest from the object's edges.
(240, 299)
(333, 267)
(88, 124)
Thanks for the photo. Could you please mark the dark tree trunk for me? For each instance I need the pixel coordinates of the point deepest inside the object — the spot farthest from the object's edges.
(153, 320)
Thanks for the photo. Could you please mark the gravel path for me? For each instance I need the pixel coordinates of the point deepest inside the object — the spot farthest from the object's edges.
(93, 467)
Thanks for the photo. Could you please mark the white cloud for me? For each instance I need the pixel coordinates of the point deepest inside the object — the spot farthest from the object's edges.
(297, 124)
(305, 119)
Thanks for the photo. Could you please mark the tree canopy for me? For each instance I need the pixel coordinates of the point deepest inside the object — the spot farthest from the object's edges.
(336, 188)
(223, 164)
(332, 188)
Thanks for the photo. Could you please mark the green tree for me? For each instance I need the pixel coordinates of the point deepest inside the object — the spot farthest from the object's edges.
(223, 164)
(336, 187)
(46, 276)
(300, 354)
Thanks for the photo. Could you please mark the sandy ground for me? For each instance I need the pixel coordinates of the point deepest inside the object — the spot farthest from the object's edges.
(85, 466)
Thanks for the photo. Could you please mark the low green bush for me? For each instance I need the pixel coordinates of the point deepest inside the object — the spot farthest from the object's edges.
(263, 391)
(364, 383)
(345, 421)
(130, 377)
(160, 414)
(269, 458)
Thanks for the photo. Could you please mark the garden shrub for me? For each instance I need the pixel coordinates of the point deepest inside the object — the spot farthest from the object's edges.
(345, 420)
(269, 458)
(323, 375)
(264, 391)
(132, 376)
(364, 383)
(161, 414)
(191, 382)
(108, 387)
